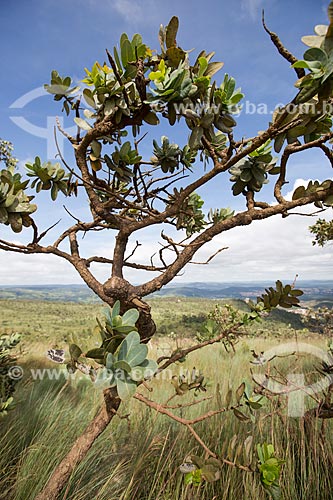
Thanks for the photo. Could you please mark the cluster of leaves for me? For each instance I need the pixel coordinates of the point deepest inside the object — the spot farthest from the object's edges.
(171, 86)
(197, 470)
(312, 123)
(323, 231)
(251, 173)
(61, 88)
(245, 396)
(214, 113)
(121, 353)
(121, 160)
(170, 157)
(219, 214)
(270, 469)
(108, 86)
(130, 52)
(319, 61)
(283, 296)
(222, 319)
(106, 96)
(129, 365)
(120, 90)
(315, 187)
(189, 381)
(315, 89)
(15, 206)
(7, 383)
(6, 154)
(190, 216)
(48, 176)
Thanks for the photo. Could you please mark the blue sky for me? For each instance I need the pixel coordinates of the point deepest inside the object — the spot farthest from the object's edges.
(41, 35)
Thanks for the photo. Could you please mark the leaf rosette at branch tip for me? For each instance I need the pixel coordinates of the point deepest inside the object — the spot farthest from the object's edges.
(170, 156)
(48, 176)
(313, 124)
(319, 61)
(61, 88)
(270, 470)
(190, 216)
(15, 206)
(323, 231)
(251, 173)
(120, 161)
(197, 470)
(189, 381)
(284, 296)
(120, 352)
(315, 187)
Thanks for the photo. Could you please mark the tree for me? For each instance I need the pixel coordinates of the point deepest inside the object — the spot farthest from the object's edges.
(136, 90)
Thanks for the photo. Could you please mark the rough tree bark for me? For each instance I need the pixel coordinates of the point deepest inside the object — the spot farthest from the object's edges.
(80, 448)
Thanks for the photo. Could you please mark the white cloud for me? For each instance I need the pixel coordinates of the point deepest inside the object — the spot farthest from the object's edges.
(269, 249)
(128, 9)
(265, 250)
(17, 269)
(252, 7)
(136, 12)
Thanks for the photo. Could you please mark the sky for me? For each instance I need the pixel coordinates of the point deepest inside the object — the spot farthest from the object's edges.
(41, 35)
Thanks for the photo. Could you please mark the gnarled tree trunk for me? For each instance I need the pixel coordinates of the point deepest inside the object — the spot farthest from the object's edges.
(83, 443)
(80, 448)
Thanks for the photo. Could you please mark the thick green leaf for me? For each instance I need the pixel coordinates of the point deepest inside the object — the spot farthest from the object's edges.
(126, 51)
(126, 388)
(195, 137)
(82, 123)
(130, 317)
(213, 68)
(171, 32)
(110, 360)
(89, 97)
(122, 365)
(97, 353)
(137, 354)
(116, 309)
(131, 341)
(75, 351)
(145, 370)
(316, 54)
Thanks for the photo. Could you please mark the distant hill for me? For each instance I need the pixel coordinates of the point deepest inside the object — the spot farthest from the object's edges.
(57, 293)
(313, 290)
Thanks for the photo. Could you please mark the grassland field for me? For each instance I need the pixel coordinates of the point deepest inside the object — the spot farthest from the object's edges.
(138, 458)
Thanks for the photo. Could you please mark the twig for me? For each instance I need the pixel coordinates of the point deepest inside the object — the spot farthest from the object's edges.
(189, 422)
(116, 74)
(282, 49)
(210, 258)
(137, 244)
(181, 353)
